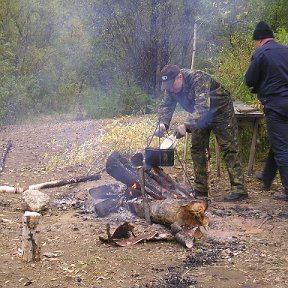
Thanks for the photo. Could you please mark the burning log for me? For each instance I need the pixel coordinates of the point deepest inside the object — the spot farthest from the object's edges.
(157, 184)
(122, 170)
(4, 155)
(168, 183)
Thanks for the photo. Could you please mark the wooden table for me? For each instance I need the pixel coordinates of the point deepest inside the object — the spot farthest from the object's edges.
(246, 116)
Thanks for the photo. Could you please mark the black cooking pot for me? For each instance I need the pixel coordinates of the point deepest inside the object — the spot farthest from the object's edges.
(159, 157)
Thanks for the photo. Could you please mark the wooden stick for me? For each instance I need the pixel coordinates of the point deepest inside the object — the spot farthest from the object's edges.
(185, 156)
(194, 46)
(144, 194)
(63, 182)
(10, 189)
(4, 155)
(208, 171)
(192, 67)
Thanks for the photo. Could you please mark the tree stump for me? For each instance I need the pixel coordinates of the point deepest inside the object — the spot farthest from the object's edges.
(31, 248)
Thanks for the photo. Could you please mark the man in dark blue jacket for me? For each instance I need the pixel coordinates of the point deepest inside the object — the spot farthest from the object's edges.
(267, 76)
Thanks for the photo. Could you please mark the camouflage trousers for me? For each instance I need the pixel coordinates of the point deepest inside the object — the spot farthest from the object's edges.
(225, 128)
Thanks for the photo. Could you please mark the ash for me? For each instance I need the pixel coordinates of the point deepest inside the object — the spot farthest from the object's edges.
(175, 280)
(212, 251)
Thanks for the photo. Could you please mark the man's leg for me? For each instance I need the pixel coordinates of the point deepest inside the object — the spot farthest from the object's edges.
(277, 127)
(269, 171)
(200, 141)
(225, 128)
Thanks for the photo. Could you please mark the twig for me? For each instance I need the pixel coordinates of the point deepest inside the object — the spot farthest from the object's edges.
(4, 155)
(208, 171)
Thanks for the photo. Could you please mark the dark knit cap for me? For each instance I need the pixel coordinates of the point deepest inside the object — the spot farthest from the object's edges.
(262, 31)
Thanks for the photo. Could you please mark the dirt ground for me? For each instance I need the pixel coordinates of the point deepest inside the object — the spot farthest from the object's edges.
(246, 245)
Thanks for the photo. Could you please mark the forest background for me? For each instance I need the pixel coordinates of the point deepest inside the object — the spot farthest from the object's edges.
(101, 58)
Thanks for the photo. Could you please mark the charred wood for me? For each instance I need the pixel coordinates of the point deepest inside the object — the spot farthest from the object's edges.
(107, 206)
(158, 184)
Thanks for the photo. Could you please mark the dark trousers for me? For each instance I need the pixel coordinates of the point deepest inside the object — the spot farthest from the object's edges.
(270, 169)
(277, 127)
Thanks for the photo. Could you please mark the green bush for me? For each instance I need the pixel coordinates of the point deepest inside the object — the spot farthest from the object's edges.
(18, 98)
(99, 105)
(120, 100)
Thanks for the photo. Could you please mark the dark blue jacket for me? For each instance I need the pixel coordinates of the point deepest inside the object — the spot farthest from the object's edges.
(267, 75)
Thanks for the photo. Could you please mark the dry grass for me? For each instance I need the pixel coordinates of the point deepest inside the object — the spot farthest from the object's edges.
(128, 135)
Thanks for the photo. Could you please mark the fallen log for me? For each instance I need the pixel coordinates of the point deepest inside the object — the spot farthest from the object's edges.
(63, 182)
(184, 217)
(4, 155)
(188, 213)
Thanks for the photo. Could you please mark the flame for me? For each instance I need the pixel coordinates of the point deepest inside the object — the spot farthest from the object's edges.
(134, 186)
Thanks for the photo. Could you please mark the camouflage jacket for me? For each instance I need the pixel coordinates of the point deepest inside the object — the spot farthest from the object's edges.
(198, 96)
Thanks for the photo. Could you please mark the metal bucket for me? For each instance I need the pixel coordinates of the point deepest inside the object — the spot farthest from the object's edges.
(159, 157)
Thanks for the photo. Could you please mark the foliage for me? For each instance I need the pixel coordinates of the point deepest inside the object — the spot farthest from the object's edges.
(282, 35)
(104, 56)
(233, 62)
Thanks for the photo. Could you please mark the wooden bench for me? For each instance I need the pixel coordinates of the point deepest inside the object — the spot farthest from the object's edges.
(246, 116)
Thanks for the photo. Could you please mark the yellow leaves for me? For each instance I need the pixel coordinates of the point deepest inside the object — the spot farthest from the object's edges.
(126, 135)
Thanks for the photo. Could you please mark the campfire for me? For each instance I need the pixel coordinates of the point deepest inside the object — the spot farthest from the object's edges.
(151, 194)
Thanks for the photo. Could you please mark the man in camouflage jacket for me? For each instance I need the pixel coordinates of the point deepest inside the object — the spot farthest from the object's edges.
(209, 108)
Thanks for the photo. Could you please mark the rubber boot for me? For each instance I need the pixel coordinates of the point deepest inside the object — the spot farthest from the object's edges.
(283, 170)
(269, 172)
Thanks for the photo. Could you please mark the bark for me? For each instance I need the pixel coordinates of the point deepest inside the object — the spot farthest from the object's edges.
(190, 213)
(183, 217)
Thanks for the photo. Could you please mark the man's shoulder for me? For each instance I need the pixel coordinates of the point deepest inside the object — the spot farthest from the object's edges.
(270, 46)
(195, 74)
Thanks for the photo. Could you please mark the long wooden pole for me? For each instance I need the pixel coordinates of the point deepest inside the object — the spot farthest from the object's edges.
(192, 67)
